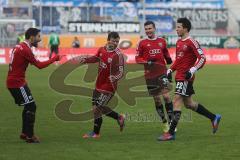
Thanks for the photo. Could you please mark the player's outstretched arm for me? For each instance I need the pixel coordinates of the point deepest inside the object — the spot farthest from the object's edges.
(85, 59)
(44, 64)
(91, 59)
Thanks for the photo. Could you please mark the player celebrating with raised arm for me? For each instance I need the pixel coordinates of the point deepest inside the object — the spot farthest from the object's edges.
(152, 52)
(21, 56)
(110, 70)
(189, 59)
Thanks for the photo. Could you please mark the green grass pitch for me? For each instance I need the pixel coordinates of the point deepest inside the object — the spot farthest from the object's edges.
(217, 87)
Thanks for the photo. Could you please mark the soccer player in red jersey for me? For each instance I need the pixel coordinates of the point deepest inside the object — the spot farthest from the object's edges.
(21, 56)
(110, 70)
(189, 59)
(152, 52)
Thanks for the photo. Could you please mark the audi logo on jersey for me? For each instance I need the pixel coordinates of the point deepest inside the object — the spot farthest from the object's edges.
(155, 51)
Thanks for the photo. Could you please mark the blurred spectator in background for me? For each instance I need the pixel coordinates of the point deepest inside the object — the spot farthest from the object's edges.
(20, 38)
(76, 43)
(53, 43)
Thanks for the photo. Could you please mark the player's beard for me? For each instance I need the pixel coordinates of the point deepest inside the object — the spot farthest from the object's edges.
(151, 35)
(35, 44)
(179, 34)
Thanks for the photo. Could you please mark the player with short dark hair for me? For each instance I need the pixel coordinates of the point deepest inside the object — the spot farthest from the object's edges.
(189, 59)
(110, 70)
(21, 56)
(152, 52)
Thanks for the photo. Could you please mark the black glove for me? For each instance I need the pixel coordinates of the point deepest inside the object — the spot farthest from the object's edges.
(169, 60)
(188, 75)
(169, 75)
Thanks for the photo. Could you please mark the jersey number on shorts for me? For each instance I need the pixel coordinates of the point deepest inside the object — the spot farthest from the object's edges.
(179, 85)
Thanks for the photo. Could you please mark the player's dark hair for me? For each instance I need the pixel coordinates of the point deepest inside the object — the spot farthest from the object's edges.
(113, 35)
(149, 23)
(31, 32)
(185, 23)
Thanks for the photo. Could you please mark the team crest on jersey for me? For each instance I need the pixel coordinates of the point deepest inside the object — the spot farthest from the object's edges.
(109, 60)
(184, 47)
(160, 44)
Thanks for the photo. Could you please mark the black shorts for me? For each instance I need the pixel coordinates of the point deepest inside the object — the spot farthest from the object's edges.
(184, 88)
(101, 98)
(54, 48)
(21, 95)
(157, 84)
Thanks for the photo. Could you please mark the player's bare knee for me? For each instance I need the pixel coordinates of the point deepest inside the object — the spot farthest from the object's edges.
(157, 100)
(190, 106)
(166, 98)
(177, 102)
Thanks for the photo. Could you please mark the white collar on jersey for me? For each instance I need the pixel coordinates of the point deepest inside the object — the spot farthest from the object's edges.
(152, 38)
(27, 43)
(186, 38)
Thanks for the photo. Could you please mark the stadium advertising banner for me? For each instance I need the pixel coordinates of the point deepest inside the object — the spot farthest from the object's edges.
(89, 41)
(148, 3)
(100, 27)
(214, 56)
(185, 3)
(204, 18)
(201, 19)
(211, 41)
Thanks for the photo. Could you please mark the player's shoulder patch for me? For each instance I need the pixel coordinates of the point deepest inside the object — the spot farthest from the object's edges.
(200, 51)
